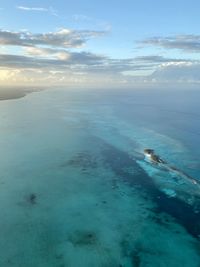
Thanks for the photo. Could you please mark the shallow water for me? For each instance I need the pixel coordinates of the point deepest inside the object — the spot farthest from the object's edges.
(76, 191)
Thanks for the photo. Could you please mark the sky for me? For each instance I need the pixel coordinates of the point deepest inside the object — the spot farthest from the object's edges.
(106, 44)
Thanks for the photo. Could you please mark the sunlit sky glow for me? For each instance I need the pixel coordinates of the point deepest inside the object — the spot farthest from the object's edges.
(100, 43)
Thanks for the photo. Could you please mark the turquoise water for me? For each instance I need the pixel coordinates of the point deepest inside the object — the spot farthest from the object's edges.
(76, 191)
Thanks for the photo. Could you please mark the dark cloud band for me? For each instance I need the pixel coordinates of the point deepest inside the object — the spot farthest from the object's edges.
(63, 38)
(189, 43)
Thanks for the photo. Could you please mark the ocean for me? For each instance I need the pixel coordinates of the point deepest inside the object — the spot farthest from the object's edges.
(76, 189)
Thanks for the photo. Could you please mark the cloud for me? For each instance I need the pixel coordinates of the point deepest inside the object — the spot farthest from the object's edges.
(54, 72)
(81, 69)
(178, 72)
(47, 52)
(63, 38)
(50, 10)
(44, 77)
(52, 50)
(50, 57)
(81, 17)
(81, 60)
(78, 61)
(32, 8)
(158, 59)
(187, 42)
(60, 59)
(7, 75)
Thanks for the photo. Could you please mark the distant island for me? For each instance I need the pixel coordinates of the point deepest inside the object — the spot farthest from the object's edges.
(8, 93)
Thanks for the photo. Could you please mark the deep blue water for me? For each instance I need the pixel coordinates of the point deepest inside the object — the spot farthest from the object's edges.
(76, 190)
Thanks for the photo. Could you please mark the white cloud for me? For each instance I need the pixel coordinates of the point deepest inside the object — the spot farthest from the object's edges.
(42, 9)
(48, 53)
(178, 72)
(49, 10)
(8, 74)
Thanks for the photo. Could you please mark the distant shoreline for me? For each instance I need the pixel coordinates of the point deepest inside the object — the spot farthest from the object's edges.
(15, 93)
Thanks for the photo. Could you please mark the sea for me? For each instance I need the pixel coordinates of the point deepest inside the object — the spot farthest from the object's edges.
(77, 191)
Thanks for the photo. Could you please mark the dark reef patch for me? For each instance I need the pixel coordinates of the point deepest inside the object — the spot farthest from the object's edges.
(83, 238)
(31, 199)
(135, 257)
(83, 160)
